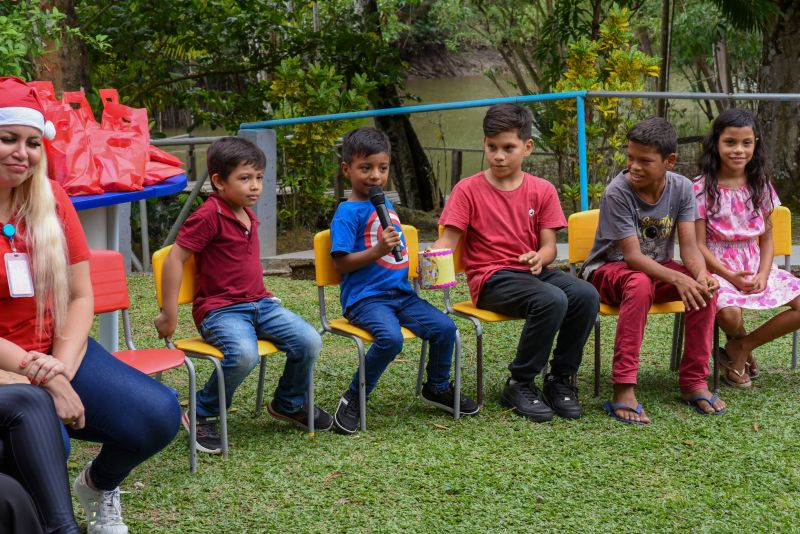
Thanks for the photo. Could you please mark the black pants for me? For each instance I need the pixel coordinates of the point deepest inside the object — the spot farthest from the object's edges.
(32, 452)
(551, 303)
(17, 511)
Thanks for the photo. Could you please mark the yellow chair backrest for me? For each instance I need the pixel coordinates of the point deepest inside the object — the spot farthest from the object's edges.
(458, 253)
(323, 262)
(581, 229)
(782, 231)
(188, 283)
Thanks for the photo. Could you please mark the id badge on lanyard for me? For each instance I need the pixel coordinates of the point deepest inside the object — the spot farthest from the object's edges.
(18, 268)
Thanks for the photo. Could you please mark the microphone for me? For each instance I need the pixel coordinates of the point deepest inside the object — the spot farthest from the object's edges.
(378, 200)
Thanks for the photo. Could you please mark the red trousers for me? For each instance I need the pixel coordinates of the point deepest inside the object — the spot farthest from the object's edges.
(634, 292)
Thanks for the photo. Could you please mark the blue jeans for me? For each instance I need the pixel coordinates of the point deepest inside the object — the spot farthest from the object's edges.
(235, 331)
(383, 315)
(131, 414)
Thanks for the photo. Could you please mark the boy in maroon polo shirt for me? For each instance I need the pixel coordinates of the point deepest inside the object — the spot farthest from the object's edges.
(232, 309)
(508, 221)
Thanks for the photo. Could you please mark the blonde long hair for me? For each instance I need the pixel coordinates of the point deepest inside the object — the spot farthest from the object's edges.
(35, 205)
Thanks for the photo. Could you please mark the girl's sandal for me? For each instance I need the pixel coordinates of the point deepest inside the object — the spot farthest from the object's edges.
(739, 374)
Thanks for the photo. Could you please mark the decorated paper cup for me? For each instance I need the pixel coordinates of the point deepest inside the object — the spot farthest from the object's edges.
(436, 269)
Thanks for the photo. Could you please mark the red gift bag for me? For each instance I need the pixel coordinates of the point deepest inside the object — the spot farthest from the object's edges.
(45, 90)
(156, 154)
(120, 158)
(126, 137)
(156, 172)
(69, 154)
(77, 101)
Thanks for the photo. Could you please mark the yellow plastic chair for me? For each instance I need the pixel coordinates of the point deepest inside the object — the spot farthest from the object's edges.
(467, 310)
(782, 239)
(197, 348)
(581, 229)
(327, 276)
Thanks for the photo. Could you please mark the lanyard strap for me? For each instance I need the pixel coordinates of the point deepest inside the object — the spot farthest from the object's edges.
(9, 230)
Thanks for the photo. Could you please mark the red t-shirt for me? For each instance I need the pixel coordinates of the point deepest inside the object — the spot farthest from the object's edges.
(227, 256)
(18, 315)
(498, 225)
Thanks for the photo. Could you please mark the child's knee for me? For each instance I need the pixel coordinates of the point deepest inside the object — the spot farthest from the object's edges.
(389, 342)
(640, 285)
(242, 357)
(554, 302)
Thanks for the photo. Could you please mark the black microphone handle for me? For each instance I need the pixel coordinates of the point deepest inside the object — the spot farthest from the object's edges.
(386, 222)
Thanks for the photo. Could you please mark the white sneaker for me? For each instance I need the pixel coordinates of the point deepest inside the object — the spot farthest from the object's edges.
(103, 511)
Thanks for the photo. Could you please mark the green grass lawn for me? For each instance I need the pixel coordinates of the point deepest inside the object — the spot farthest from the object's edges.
(418, 470)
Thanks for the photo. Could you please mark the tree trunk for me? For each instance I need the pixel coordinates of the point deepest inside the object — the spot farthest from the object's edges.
(780, 121)
(68, 66)
(663, 78)
(412, 175)
(411, 172)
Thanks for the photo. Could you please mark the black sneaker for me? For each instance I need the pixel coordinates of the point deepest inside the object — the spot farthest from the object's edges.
(208, 439)
(346, 419)
(322, 419)
(446, 400)
(562, 396)
(527, 401)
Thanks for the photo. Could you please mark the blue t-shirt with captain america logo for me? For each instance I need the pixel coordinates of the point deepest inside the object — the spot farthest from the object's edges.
(355, 227)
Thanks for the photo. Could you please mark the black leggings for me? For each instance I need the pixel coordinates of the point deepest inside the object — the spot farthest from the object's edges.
(32, 452)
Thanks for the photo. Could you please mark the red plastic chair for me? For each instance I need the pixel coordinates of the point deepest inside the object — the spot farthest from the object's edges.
(110, 289)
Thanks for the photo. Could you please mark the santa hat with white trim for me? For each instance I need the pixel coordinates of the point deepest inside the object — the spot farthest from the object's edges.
(20, 106)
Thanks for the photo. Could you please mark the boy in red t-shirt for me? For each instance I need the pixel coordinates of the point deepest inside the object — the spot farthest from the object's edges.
(508, 220)
(232, 309)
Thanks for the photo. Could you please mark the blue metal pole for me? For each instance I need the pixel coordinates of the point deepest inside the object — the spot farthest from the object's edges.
(582, 166)
(403, 110)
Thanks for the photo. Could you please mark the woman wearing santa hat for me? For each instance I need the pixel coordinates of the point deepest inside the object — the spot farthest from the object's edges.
(46, 298)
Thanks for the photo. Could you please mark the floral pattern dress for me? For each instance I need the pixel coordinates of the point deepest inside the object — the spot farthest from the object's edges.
(732, 236)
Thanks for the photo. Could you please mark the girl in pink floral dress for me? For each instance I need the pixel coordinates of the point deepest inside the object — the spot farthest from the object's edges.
(734, 232)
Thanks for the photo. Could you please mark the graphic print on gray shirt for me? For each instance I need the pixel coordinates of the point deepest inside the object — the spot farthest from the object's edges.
(623, 214)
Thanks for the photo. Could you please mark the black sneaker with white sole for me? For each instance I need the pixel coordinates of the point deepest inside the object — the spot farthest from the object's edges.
(208, 439)
(562, 396)
(347, 414)
(527, 400)
(322, 419)
(446, 399)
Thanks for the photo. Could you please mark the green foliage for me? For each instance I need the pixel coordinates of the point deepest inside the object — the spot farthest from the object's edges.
(23, 28)
(162, 212)
(572, 191)
(609, 63)
(309, 148)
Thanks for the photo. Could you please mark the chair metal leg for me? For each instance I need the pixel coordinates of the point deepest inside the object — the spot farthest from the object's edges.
(421, 370)
(158, 376)
(362, 386)
(457, 379)
(597, 357)
(673, 355)
(479, 358)
(679, 347)
(192, 415)
(309, 402)
(262, 371)
(223, 408)
(794, 350)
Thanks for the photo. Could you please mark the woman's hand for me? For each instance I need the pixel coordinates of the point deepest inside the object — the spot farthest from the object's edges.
(40, 367)
(68, 405)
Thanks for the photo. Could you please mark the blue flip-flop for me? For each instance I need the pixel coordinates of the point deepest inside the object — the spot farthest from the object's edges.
(694, 401)
(611, 407)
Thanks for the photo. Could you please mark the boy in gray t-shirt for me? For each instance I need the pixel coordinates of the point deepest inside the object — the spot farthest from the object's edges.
(631, 266)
